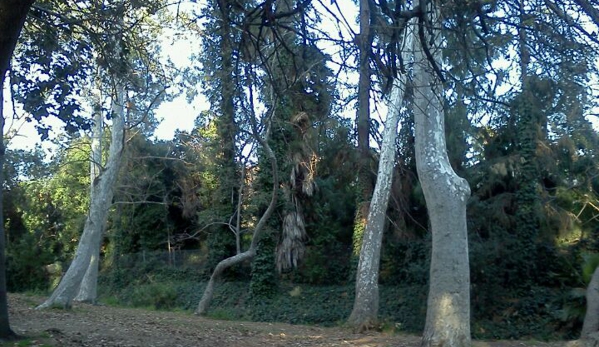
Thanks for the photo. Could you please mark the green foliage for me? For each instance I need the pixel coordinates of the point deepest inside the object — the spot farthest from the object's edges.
(532, 168)
(405, 262)
(573, 308)
(590, 263)
(574, 300)
(405, 305)
(26, 264)
(327, 306)
(161, 296)
(358, 234)
(263, 281)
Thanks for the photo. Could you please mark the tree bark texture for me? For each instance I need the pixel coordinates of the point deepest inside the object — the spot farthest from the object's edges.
(365, 311)
(88, 290)
(218, 270)
(251, 252)
(446, 194)
(363, 130)
(364, 82)
(101, 202)
(12, 19)
(591, 318)
(5, 330)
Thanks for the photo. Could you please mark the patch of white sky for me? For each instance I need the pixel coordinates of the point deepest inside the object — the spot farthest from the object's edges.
(20, 130)
(511, 74)
(338, 22)
(179, 47)
(180, 114)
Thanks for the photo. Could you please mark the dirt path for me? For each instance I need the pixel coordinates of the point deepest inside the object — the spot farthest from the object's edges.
(102, 326)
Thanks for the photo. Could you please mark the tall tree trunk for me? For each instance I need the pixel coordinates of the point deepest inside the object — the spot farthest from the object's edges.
(101, 201)
(363, 129)
(446, 195)
(363, 117)
(226, 128)
(5, 331)
(591, 318)
(12, 19)
(88, 290)
(527, 197)
(366, 305)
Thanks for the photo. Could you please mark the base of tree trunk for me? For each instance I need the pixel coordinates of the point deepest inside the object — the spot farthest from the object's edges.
(11, 336)
(364, 325)
(591, 340)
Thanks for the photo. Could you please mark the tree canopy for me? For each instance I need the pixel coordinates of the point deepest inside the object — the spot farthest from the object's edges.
(272, 186)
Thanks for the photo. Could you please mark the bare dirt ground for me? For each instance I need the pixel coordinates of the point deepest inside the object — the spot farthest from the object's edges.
(103, 326)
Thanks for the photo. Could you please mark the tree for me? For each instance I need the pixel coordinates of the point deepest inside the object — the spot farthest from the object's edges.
(12, 19)
(100, 202)
(257, 232)
(364, 40)
(446, 195)
(591, 318)
(103, 192)
(115, 40)
(223, 92)
(88, 287)
(366, 305)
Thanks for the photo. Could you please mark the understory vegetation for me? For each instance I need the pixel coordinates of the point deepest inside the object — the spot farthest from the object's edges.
(280, 164)
(44, 220)
(543, 312)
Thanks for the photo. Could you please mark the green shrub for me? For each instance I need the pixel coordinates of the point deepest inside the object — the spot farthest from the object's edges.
(26, 263)
(263, 282)
(158, 295)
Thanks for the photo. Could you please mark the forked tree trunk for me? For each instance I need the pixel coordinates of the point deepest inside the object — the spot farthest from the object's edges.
(88, 291)
(591, 318)
(366, 305)
(446, 194)
(95, 223)
(251, 252)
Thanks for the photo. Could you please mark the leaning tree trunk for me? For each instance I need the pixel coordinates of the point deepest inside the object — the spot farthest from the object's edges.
(101, 201)
(591, 318)
(366, 305)
(446, 195)
(251, 252)
(88, 290)
(12, 19)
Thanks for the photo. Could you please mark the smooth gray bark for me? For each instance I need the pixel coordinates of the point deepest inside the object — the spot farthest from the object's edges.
(364, 314)
(88, 291)
(591, 318)
(95, 223)
(446, 195)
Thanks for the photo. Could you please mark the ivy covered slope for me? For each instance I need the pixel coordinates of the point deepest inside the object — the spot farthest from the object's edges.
(269, 193)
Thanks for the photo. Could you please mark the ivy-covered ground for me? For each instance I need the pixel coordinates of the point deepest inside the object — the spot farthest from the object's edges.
(105, 326)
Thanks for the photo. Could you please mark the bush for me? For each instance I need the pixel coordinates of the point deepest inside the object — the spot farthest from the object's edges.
(26, 265)
(158, 295)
